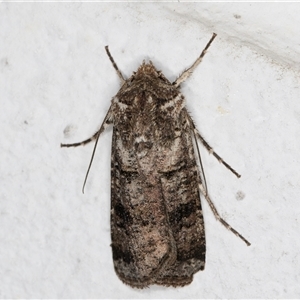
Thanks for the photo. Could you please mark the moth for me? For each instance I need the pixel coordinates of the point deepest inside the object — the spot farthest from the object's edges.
(157, 227)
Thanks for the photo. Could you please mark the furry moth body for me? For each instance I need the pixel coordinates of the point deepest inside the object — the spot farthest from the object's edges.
(157, 226)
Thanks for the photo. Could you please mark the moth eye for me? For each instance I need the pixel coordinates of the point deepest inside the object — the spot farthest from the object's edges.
(161, 76)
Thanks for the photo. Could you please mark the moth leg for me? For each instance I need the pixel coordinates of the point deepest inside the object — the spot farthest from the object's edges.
(115, 65)
(107, 121)
(187, 73)
(83, 142)
(217, 215)
(210, 149)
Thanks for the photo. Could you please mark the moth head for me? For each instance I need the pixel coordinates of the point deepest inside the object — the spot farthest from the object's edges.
(149, 70)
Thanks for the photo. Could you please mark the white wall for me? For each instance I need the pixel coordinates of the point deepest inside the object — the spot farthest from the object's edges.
(56, 84)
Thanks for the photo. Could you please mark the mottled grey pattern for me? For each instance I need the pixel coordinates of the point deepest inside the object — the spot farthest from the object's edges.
(157, 226)
(156, 217)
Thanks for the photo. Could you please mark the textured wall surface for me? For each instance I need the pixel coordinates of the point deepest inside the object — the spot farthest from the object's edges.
(56, 83)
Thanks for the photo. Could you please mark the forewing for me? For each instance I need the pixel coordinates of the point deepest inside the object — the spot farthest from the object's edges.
(182, 199)
(142, 242)
(156, 217)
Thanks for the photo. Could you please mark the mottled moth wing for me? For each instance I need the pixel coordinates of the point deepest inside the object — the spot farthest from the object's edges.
(157, 226)
(156, 217)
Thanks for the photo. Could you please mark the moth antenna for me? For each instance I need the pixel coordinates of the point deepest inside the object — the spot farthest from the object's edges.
(187, 73)
(115, 65)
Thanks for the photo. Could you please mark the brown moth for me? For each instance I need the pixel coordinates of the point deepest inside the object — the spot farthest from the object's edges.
(157, 226)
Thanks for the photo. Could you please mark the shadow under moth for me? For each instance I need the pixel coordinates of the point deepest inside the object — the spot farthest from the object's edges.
(157, 227)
